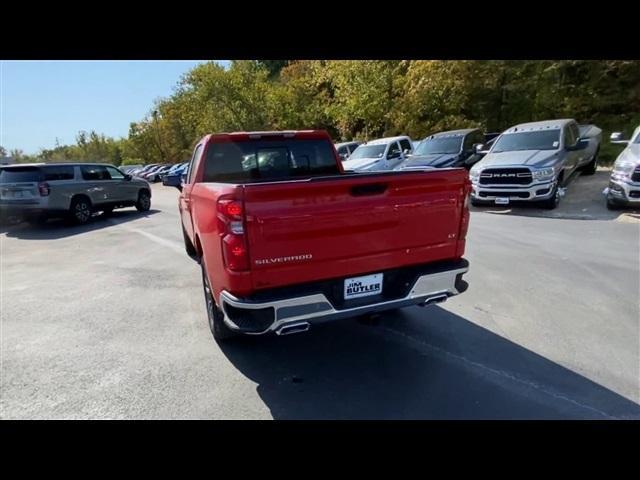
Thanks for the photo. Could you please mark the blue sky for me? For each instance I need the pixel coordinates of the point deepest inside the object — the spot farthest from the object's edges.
(42, 100)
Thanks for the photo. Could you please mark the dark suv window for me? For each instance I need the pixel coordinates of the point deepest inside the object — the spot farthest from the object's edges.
(469, 140)
(20, 174)
(405, 144)
(569, 137)
(394, 150)
(58, 173)
(115, 174)
(94, 172)
(241, 162)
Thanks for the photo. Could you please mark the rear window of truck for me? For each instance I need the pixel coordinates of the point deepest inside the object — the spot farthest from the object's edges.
(20, 174)
(277, 159)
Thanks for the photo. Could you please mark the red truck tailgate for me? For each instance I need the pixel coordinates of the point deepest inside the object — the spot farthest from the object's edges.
(308, 230)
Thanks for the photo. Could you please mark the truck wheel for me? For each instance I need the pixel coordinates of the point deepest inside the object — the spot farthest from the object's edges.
(552, 202)
(612, 204)
(218, 328)
(144, 201)
(591, 167)
(80, 210)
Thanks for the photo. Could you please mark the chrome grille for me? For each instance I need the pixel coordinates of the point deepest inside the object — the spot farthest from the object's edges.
(506, 176)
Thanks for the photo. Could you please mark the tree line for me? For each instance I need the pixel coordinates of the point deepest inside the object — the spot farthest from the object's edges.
(365, 99)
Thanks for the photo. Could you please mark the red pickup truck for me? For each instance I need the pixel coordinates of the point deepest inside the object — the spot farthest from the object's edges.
(286, 238)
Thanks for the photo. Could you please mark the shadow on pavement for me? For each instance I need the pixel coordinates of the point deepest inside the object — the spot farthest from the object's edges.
(583, 200)
(60, 228)
(416, 364)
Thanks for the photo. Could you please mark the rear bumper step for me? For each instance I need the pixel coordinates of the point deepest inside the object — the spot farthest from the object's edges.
(291, 315)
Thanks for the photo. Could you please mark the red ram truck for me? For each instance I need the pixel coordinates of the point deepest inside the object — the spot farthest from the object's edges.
(286, 238)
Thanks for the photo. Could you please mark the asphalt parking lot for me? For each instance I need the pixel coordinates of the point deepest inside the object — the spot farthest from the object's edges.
(108, 320)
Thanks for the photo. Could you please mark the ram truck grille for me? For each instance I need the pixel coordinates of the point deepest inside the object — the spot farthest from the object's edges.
(506, 176)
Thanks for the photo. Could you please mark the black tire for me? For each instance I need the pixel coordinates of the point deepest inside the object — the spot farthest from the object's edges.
(613, 205)
(591, 167)
(144, 201)
(80, 210)
(219, 329)
(553, 201)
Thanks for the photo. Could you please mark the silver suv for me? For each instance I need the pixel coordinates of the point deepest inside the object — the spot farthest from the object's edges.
(36, 192)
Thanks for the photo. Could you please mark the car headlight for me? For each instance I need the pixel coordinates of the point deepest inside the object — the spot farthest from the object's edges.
(623, 169)
(543, 174)
(474, 174)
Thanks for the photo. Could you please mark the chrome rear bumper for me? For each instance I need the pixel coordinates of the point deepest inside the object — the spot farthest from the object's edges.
(317, 308)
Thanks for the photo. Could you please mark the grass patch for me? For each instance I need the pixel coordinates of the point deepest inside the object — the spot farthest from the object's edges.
(609, 152)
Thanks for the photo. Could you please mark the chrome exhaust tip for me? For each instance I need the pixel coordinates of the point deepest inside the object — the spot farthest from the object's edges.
(297, 327)
(437, 299)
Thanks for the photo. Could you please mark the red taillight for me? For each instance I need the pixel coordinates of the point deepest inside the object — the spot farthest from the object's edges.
(464, 224)
(234, 209)
(234, 252)
(43, 189)
(231, 230)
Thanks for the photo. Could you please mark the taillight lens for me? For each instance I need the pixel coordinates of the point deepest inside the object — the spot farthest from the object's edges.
(43, 189)
(234, 252)
(233, 208)
(464, 224)
(231, 230)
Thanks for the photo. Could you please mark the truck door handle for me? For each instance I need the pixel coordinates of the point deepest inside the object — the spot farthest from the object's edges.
(368, 189)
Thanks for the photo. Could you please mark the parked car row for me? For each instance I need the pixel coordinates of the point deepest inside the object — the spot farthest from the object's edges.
(155, 172)
(531, 162)
(176, 175)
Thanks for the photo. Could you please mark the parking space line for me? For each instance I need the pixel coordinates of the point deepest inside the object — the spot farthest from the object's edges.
(177, 247)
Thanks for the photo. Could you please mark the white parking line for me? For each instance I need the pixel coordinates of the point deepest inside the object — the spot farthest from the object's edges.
(178, 247)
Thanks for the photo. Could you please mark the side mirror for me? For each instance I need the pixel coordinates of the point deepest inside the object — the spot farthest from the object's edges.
(127, 177)
(618, 137)
(581, 144)
(407, 151)
(479, 149)
(173, 181)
